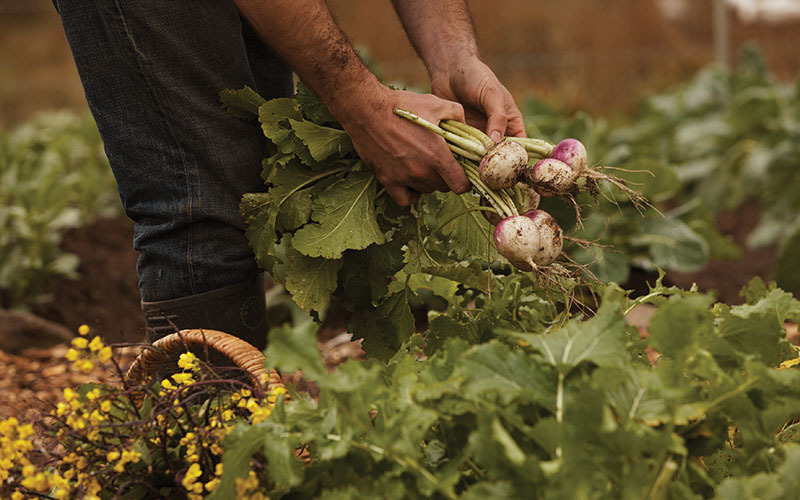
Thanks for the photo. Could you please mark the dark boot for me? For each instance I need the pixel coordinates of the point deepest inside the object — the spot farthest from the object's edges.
(238, 309)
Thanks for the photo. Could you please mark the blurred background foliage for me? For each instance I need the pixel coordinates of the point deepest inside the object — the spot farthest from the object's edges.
(638, 81)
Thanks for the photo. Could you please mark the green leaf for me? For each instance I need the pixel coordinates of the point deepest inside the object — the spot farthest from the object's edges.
(493, 372)
(469, 274)
(385, 328)
(274, 116)
(311, 105)
(678, 323)
(787, 270)
(279, 446)
(291, 349)
(295, 212)
(757, 329)
(608, 265)
(599, 340)
(240, 444)
(242, 103)
(469, 233)
(366, 274)
(673, 244)
(322, 142)
(311, 281)
(260, 227)
(345, 219)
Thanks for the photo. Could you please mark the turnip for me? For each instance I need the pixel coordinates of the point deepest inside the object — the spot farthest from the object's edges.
(572, 152)
(517, 239)
(529, 241)
(552, 177)
(502, 164)
(550, 237)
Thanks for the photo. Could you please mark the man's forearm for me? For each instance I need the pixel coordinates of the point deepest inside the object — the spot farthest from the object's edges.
(441, 31)
(305, 35)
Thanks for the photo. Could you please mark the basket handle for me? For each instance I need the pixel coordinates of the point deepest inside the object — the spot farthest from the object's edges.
(243, 354)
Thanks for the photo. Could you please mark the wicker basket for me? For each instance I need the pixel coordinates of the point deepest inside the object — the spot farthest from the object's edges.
(218, 348)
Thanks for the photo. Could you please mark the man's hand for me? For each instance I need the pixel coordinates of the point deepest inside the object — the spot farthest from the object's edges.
(488, 105)
(444, 37)
(406, 159)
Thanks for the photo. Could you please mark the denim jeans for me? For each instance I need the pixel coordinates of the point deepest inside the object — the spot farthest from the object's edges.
(152, 71)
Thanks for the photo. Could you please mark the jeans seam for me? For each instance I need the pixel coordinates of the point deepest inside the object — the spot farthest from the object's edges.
(140, 59)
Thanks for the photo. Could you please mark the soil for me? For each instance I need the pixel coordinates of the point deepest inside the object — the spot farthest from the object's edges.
(106, 298)
(725, 278)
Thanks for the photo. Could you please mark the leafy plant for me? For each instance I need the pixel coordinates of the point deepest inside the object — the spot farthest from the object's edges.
(54, 176)
(508, 397)
(713, 143)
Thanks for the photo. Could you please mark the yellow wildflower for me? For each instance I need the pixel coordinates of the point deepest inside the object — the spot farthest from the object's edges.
(84, 366)
(96, 344)
(183, 378)
(104, 354)
(84, 329)
(187, 361)
(191, 476)
(80, 343)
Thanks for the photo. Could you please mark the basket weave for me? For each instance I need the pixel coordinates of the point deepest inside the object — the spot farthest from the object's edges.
(220, 347)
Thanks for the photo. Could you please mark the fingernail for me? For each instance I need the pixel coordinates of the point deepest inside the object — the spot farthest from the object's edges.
(496, 136)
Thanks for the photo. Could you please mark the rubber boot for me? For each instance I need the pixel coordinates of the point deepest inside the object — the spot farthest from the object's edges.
(239, 309)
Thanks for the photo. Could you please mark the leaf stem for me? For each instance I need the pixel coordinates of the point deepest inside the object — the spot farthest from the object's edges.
(538, 148)
(497, 201)
(560, 411)
(472, 132)
(466, 144)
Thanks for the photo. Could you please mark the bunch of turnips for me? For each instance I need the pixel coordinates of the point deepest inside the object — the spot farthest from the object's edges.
(511, 176)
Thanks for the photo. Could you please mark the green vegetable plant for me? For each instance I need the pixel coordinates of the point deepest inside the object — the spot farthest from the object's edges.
(511, 397)
(54, 177)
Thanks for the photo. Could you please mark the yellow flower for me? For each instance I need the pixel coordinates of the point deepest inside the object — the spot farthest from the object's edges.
(183, 378)
(104, 354)
(191, 476)
(84, 329)
(212, 484)
(69, 394)
(80, 343)
(73, 355)
(84, 366)
(112, 456)
(105, 406)
(96, 344)
(166, 384)
(93, 394)
(187, 361)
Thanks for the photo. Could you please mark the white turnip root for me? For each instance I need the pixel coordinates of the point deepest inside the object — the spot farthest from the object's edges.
(551, 177)
(517, 239)
(550, 237)
(572, 152)
(529, 244)
(501, 166)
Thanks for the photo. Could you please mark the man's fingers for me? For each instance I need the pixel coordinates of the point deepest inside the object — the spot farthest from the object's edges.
(497, 121)
(453, 174)
(401, 195)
